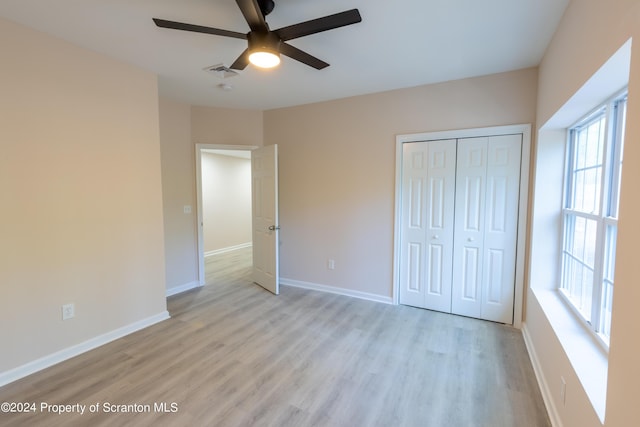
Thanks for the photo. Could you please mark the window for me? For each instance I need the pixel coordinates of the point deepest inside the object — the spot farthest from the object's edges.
(590, 214)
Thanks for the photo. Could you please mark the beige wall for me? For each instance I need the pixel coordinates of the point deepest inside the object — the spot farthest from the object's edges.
(81, 195)
(590, 32)
(210, 125)
(226, 201)
(178, 191)
(337, 170)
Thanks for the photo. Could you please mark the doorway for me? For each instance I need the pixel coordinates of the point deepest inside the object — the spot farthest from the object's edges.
(223, 178)
(264, 213)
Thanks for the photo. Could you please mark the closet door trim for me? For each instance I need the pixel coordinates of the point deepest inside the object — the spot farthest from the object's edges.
(525, 130)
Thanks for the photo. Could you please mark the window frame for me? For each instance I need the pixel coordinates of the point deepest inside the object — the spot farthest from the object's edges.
(605, 215)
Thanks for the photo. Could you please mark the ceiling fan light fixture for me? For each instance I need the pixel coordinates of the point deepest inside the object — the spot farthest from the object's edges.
(264, 49)
(264, 58)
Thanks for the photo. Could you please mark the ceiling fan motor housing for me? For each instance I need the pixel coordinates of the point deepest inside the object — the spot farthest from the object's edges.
(262, 42)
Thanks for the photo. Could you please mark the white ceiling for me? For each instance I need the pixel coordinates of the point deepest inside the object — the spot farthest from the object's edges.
(398, 44)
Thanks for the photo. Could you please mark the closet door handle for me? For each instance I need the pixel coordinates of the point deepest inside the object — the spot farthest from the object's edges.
(470, 239)
(435, 237)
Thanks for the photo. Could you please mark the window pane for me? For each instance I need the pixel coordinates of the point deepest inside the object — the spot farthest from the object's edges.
(582, 244)
(579, 262)
(587, 172)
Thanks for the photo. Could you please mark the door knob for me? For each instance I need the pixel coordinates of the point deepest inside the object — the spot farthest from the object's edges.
(273, 228)
(470, 239)
(435, 237)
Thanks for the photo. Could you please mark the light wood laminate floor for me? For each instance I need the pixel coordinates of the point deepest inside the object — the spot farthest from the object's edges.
(234, 355)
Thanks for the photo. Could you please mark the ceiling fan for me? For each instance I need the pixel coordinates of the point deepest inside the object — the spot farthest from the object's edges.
(266, 45)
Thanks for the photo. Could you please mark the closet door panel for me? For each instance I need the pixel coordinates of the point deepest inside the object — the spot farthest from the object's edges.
(441, 181)
(469, 223)
(427, 224)
(503, 189)
(413, 223)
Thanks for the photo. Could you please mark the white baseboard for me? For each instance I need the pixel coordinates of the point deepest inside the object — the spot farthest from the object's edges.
(542, 382)
(228, 249)
(334, 290)
(75, 350)
(183, 288)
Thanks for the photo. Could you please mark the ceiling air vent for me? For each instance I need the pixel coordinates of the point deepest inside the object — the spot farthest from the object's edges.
(221, 71)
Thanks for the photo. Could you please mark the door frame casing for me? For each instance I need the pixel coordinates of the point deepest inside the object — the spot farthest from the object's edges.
(525, 130)
(199, 216)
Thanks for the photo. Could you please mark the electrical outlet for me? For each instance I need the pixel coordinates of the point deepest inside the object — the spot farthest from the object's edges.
(331, 264)
(68, 311)
(563, 390)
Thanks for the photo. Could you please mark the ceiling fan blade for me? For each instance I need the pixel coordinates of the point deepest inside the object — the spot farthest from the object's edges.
(242, 61)
(319, 25)
(253, 15)
(304, 57)
(198, 29)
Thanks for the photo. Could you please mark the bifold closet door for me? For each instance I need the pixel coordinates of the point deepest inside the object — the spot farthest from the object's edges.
(486, 214)
(428, 186)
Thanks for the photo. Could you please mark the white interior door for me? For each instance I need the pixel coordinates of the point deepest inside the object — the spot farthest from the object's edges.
(487, 199)
(471, 174)
(501, 227)
(264, 190)
(427, 224)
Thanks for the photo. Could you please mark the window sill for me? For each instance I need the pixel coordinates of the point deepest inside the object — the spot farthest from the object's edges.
(585, 354)
(596, 337)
